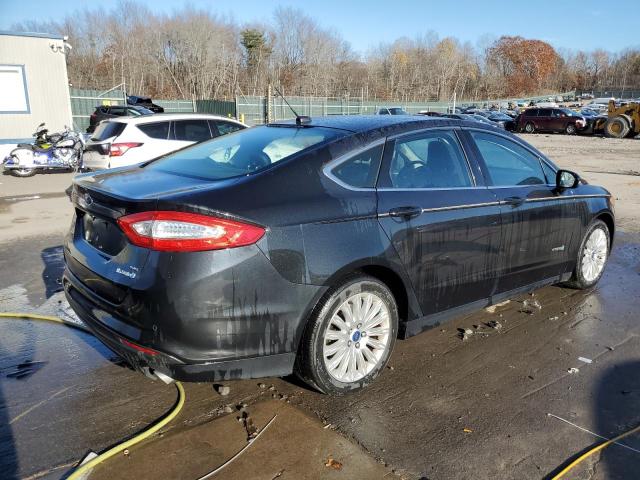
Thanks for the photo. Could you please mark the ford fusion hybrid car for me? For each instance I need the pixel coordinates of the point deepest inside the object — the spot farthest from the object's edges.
(310, 246)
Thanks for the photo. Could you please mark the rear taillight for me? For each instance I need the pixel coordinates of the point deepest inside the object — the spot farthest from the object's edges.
(119, 149)
(187, 232)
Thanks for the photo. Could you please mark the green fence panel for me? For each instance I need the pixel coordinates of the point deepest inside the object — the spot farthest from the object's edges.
(84, 102)
(223, 108)
(176, 106)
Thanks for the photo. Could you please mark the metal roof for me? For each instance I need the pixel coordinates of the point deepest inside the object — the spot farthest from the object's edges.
(51, 36)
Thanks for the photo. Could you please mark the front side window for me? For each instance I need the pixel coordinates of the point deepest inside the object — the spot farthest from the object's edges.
(361, 170)
(509, 164)
(245, 152)
(429, 160)
(192, 130)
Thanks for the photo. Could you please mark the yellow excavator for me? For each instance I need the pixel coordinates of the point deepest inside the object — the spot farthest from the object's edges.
(623, 121)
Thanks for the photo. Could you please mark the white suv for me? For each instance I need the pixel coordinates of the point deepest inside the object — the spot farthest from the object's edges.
(126, 141)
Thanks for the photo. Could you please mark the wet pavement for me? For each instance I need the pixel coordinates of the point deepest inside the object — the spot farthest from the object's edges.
(446, 408)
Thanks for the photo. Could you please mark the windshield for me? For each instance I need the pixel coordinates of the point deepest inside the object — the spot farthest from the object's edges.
(243, 152)
(397, 111)
(568, 112)
(500, 116)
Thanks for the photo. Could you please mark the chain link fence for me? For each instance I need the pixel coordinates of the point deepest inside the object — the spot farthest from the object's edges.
(256, 110)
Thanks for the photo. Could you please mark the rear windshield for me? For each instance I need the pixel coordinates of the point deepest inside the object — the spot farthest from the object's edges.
(107, 130)
(243, 152)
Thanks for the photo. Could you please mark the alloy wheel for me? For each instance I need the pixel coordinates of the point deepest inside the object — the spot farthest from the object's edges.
(357, 337)
(594, 255)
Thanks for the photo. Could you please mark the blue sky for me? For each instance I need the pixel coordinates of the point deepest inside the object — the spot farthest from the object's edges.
(570, 24)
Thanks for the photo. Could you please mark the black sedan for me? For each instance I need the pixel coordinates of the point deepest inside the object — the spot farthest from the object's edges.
(310, 246)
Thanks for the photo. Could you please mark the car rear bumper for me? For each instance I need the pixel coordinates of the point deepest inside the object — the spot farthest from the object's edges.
(206, 316)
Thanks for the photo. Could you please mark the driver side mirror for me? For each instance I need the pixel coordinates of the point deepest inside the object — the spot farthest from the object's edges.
(567, 179)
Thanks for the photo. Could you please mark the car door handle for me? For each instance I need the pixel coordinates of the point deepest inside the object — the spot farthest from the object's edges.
(405, 212)
(514, 201)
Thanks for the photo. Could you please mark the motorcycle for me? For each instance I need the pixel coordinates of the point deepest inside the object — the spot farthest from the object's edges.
(62, 150)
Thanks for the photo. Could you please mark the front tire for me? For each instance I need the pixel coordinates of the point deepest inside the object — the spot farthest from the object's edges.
(570, 129)
(617, 127)
(350, 336)
(592, 256)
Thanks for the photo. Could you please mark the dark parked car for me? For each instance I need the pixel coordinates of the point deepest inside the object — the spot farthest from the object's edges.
(392, 111)
(503, 120)
(144, 102)
(311, 247)
(550, 120)
(103, 112)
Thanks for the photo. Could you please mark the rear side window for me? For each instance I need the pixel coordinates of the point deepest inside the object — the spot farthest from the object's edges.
(545, 112)
(361, 170)
(192, 130)
(106, 130)
(245, 152)
(429, 160)
(224, 127)
(508, 163)
(159, 130)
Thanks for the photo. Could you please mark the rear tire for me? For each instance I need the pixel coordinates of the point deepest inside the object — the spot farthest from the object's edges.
(529, 128)
(592, 256)
(350, 336)
(23, 172)
(616, 127)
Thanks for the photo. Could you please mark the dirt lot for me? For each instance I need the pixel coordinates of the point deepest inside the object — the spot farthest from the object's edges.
(495, 406)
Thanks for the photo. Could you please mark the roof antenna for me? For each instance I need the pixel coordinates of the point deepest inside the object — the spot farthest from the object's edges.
(300, 119)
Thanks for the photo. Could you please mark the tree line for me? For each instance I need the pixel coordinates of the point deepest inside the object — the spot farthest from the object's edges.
(196, 54)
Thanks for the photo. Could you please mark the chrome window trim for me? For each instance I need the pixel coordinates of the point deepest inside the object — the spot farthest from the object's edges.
(327, 169)
(451, 207)
(439, 189)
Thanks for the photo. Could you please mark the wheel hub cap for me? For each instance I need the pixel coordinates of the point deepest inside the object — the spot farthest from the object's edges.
(594, 255)
(357, 337)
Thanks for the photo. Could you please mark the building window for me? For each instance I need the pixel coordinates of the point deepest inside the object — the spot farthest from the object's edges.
(14, 97)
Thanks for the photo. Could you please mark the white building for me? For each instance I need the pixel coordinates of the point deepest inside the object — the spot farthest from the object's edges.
(33, 85)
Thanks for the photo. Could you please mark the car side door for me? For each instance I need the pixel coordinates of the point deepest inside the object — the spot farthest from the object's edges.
(534, 240)
(544, 120)
(441, 219)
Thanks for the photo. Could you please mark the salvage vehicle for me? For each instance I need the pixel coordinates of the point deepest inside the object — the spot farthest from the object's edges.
(126, 141)
(550, 120)
(104, 112)
(144, 102)
(308, 246)
(392, 111)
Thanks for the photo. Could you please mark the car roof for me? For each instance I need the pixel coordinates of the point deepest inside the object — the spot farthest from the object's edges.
(383, 124)
(158, 117)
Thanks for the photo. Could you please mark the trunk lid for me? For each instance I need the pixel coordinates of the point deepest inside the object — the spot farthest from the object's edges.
(102, 257)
